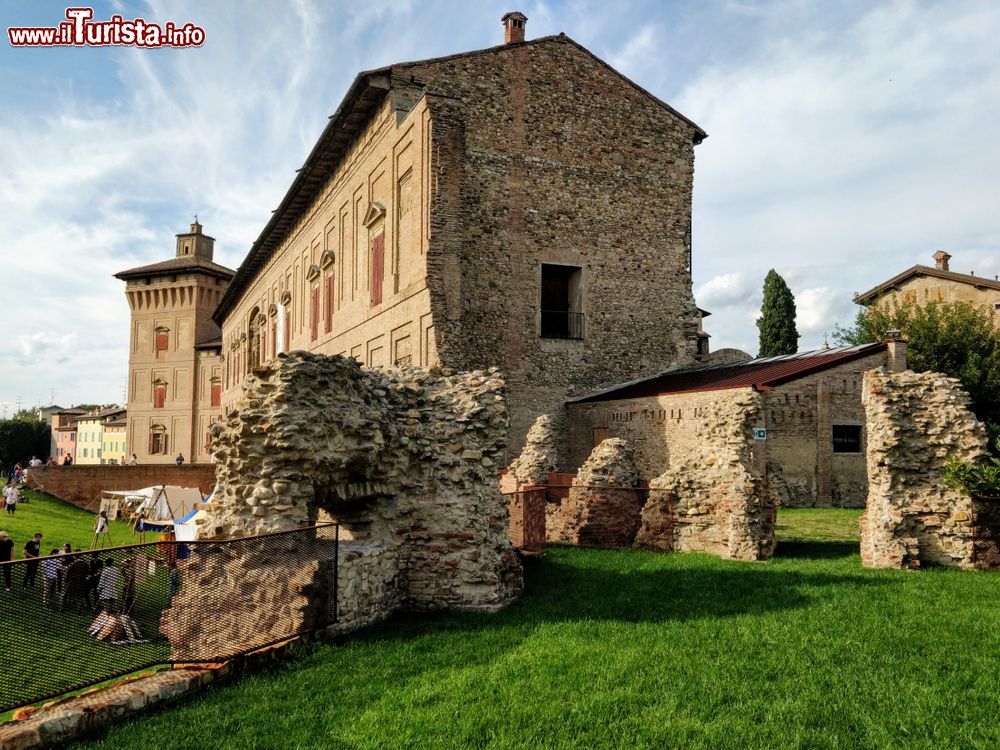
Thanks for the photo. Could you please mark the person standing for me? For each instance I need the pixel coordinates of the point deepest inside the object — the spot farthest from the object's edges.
(50, 576)
(68, 461)
(76, 591)
(11, 495)
(133, 461)
(180, 459)
(6, 555)
(35, 462)
(32, 549)
(107, 586)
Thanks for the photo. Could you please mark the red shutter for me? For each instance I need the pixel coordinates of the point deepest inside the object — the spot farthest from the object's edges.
(216, 395)
(314, 321)
(165, 442)
(274, 338)
(378, 268)
(329, 303)
(161, 342)
(151, 443)
(159, 396)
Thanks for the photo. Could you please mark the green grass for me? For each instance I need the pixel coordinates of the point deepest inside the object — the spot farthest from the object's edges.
(59, 523)
(633, 649)
(45, 650)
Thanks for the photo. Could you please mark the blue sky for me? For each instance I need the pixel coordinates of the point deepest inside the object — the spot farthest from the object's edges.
(847, 141)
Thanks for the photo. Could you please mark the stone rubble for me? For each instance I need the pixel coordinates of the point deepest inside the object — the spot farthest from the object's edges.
(540, 454)
(915, 421)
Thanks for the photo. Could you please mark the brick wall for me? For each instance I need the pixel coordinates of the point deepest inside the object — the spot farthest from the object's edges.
(527, 519)
(82, 485)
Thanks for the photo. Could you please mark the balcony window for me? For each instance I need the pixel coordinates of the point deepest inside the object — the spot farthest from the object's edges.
(561, 302)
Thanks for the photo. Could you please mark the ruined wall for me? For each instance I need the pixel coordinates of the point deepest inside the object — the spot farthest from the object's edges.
(540, 454)
(405, 457)
(712, 497)
(915, 421)
(592, 516)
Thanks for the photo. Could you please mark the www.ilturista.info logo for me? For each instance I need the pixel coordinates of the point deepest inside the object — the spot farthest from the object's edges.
(79, 30)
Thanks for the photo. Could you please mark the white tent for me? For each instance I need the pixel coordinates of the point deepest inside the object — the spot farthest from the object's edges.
(159, 505)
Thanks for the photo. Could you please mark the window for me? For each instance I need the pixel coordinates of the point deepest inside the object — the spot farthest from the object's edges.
(847, 438)
(328, 310)
(159, 395)
(157, 442)
(378, 267)
(560, 303)
(162, 342)
(314, 314)
(216, 394)
(286, 338)
(254, 339)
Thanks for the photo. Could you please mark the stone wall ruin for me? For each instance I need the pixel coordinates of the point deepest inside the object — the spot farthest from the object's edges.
(915, 421)
(405, 459)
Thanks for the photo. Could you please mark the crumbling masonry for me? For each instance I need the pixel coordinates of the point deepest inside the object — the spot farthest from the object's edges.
(405, 459)
(915, 421)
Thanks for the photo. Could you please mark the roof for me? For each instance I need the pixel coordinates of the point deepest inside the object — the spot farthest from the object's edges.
(72, 410)
(763, 373)
(103, 414)
(121, 421)
(918, 270)
(191, 263)
(366, 92)
(213, 343)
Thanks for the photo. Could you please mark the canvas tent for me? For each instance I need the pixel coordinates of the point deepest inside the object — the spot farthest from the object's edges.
(155, 507)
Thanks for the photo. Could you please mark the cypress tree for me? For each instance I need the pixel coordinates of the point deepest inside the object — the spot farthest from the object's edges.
(777, 318)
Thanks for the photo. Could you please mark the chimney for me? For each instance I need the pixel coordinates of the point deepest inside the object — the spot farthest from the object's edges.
(513, 27)
(896, 349)
(941, 259)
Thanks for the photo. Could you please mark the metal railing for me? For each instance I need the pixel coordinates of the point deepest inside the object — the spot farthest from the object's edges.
(562, 324)
(79, 619)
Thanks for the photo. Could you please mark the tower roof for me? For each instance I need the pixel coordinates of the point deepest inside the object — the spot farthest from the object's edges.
(185, 264)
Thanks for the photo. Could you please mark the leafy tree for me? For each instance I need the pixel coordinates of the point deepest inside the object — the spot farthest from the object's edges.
(778, 334)
(959, 339)
(20, 440)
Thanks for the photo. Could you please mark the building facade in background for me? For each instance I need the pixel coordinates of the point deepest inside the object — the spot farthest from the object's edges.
(921, 284)
(63, 439)
(524, 206)
(90, 435)
(175, 362)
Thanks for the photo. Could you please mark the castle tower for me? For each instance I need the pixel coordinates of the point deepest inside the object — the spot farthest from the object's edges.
(175, 352)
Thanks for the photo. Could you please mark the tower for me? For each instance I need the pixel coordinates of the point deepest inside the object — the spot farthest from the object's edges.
(175, 351)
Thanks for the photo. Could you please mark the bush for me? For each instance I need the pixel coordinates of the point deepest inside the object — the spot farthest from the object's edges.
(980, 479)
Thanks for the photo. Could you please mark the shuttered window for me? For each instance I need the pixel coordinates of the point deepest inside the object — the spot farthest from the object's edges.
(286, 343)
(274, 338)
(159, 396)
(329, 303)
(314, 314)
(216, 395)
(162, 342)
(378, 268)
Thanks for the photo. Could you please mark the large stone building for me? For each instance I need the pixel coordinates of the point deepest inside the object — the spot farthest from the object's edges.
(524, 206)
(175, 362)
(920, 284)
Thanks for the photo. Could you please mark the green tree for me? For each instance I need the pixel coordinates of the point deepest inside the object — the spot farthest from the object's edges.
(778, 334)
(20, 440)
(959, 339)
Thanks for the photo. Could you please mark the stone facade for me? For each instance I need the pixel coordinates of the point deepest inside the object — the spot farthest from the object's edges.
(601, 509)
(915, 421)
(453, 195)
(404, 457)
(175, 358)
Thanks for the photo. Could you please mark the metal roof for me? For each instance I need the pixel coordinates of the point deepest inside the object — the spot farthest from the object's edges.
(762, 373)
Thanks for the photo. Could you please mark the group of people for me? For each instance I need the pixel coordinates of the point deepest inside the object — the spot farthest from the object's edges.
(69, 578)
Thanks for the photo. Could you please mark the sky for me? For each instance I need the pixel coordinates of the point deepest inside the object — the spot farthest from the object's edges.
(847, 142)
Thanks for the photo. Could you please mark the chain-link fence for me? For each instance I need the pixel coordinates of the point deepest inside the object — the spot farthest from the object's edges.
(76, 619)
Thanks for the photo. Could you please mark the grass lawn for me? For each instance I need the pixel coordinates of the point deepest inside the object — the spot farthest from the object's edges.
(59, 523)
(45, 650)
(629, 649)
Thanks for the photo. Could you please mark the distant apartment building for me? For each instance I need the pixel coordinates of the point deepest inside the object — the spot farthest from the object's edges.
(90, 435)
(113, 443)
(63, 439)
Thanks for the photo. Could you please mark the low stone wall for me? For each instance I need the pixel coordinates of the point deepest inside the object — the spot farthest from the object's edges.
(527, 519)
(915, 421)
(82, 485)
